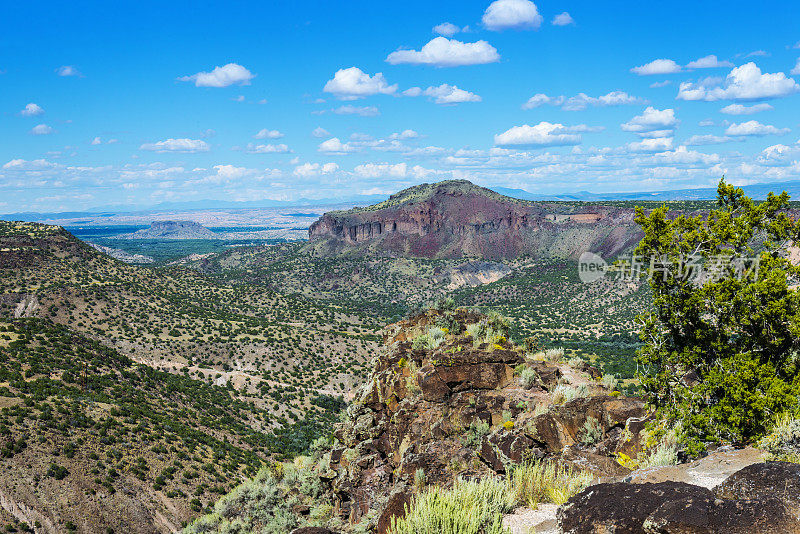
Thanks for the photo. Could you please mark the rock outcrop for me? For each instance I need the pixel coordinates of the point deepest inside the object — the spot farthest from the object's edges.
(457, 408)
(455, 219)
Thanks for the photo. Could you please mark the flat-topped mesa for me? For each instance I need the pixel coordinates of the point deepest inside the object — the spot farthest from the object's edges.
(459, 219)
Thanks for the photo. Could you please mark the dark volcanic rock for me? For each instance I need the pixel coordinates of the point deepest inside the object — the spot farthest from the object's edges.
(621, 508)
(707, 515)
(780, 480)
(455, 218)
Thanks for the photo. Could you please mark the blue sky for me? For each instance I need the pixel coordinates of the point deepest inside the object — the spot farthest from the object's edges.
(137, 103)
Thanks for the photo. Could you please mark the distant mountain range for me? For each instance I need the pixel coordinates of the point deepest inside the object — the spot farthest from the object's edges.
(756, 191)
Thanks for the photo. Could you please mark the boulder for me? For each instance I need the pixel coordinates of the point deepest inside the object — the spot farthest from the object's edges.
(621, 508)
(395, 507)
(709, 515)
(780, 480)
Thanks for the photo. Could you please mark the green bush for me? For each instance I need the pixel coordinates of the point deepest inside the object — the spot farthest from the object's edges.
(468, 508)
(720, 350)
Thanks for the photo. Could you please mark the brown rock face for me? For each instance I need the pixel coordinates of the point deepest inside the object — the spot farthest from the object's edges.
(455, 218)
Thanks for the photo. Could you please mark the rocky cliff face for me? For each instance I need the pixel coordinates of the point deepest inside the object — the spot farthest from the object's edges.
(456, 219)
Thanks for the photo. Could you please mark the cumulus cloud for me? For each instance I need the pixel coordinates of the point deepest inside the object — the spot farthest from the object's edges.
(267, 149)
(268, 134)
(444, 52)
(444, 94)
(563, 19)
(652, 123)
(31, 110)
(658, 66)
(68, 70)
(542, 134)
(582, 101)
(230, 74)
(41, 129)
(661, 144)
(739, 109)
(754, 128)
(708, 62)
(353, 83)
(97, 141)
(511, 15)
(745, 82)
(380, 170)
(447, 29)
(778, 155)
(319, 131)
(315, 169)
(335, 146)
(188, 146)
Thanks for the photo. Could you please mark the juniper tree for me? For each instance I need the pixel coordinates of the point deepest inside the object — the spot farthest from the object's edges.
(720, 357)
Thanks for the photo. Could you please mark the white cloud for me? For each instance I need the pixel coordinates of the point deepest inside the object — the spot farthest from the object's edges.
(542, 134)
(335, 146)
(444, 94)
(268, 134)
(41, 129)
(307, 170)
(31, 110)
(230, 74)
(364, 111)
(658, 66)
(652, 123)
(380, 170)
(68, 70)
(656, 85)
(353, 83)
(739, 109)
(745, 82)
(21, 164)
(581, 101)
(754, 128)
(266, 149)
(707, 139)
(444, 52)
(405, 134)
(447, 29)
(651, 145)
(778, 155)
(796, 70)
(188, 146)
(97, 141)
(563, 19)
(230, 172)
(319, 131)
(511, 14)
(708, 62)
